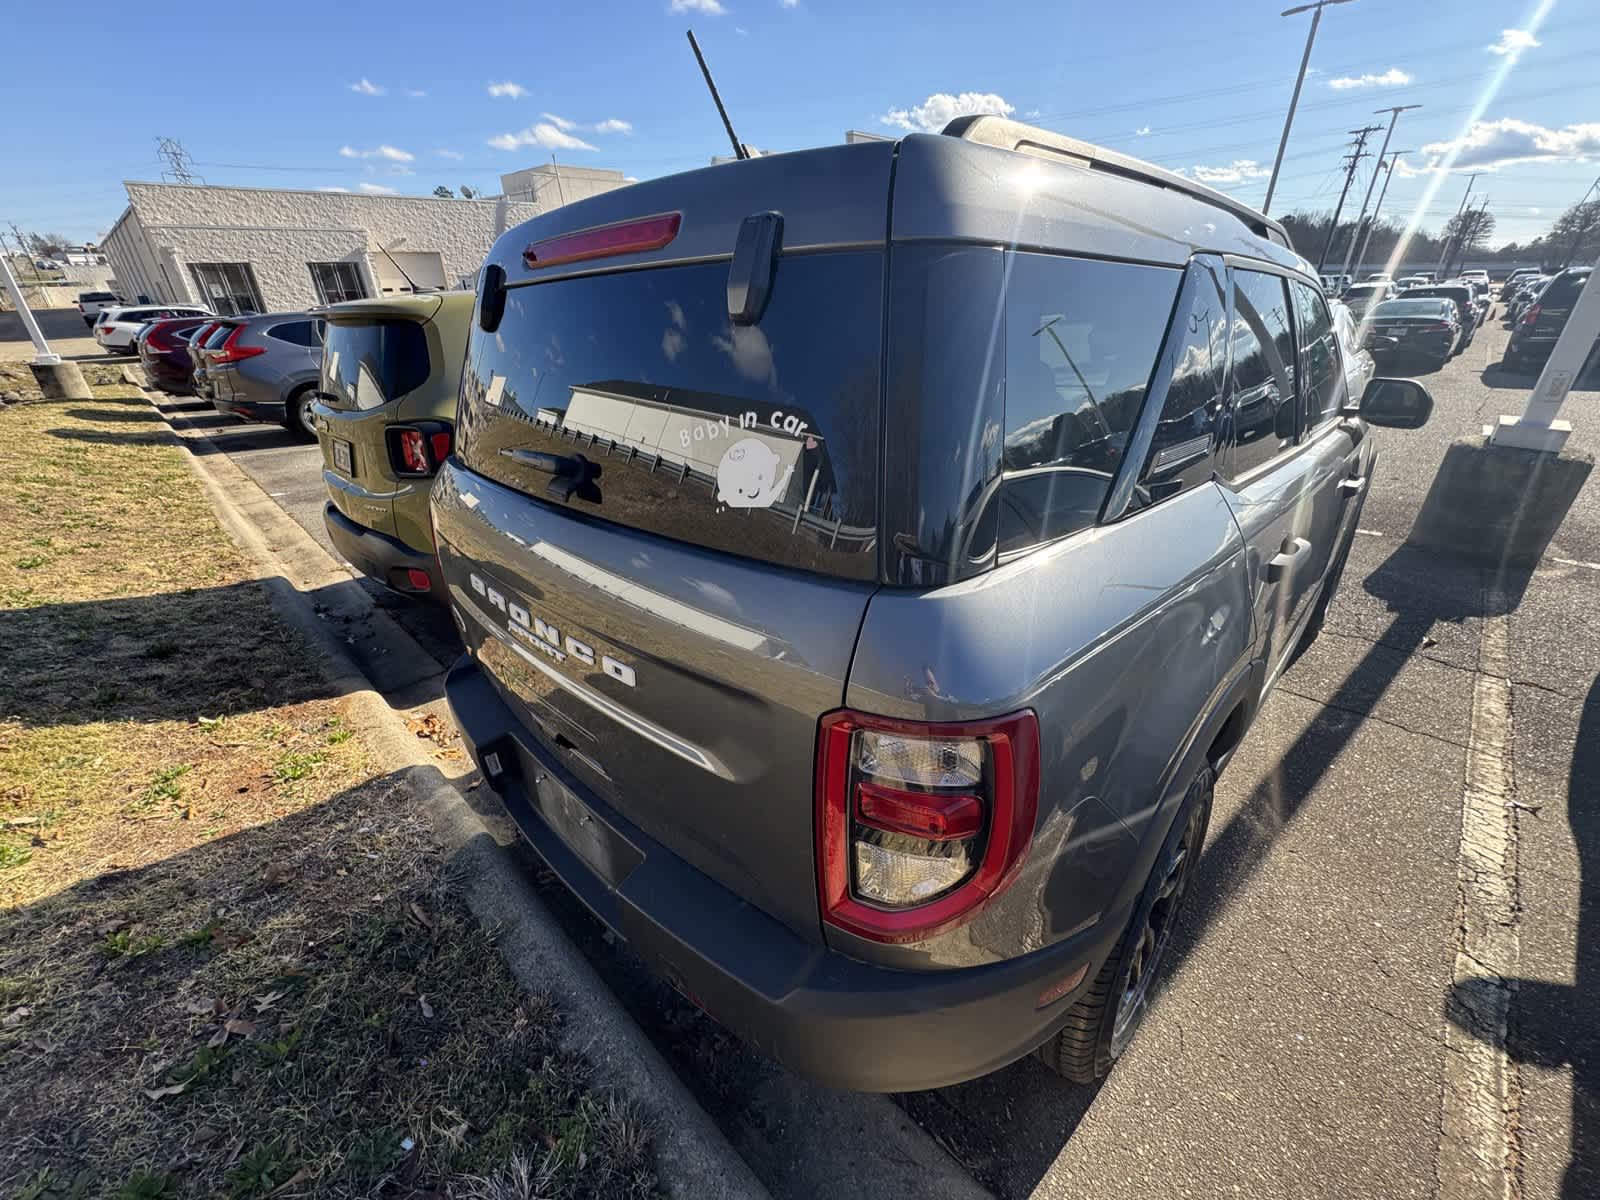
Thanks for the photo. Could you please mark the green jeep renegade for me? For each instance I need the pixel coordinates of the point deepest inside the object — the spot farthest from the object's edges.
(385, 418)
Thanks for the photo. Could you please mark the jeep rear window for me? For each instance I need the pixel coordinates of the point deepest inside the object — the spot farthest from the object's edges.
(367, 364)
(759, 440)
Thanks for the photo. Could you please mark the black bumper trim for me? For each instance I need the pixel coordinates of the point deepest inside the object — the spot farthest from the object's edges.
(384, 558)
(834, 1019)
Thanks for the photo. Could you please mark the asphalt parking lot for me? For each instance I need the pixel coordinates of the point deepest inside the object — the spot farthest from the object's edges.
(1300, 1047)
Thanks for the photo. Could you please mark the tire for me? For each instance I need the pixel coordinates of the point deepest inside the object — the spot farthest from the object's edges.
(297, 414)
(1100, 1026)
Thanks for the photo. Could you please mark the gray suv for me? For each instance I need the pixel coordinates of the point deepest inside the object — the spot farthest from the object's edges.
(867, 559)
(265, 367)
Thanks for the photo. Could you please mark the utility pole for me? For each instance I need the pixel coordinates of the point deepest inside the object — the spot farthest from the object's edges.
(1394, 115)
(1372, 221)
(1357, 153)
(1459, 211)
(1299, 82)
(1583, 229)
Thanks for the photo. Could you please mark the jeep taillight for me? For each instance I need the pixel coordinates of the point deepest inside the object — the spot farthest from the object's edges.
(919, 824)
(418, 450)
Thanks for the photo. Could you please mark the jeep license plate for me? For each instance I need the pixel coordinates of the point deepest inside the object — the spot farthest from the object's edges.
(341, 457)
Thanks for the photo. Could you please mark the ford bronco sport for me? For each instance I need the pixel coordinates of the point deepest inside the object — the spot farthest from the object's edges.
(869, 556)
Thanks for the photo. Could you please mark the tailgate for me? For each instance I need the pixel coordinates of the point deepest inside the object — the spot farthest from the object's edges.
(660, 528)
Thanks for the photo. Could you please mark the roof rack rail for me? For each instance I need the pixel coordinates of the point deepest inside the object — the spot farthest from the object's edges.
(1045, 143)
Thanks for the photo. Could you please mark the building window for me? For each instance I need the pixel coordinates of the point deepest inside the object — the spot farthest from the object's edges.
(229, 289)
(337, 282)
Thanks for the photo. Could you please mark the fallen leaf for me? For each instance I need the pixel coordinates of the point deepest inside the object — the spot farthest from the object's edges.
(203, 1135)
(427, 1009)
(294, 1180)
(15, 1017)
(205, 1006)
(175, 1089)
(265, 1002)
(239, 1027)
(219, 1038)
(277, 872)
(408, 988)
(111, 927)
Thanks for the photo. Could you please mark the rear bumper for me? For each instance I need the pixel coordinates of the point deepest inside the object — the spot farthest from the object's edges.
(249, 410)
(386, 559)
(834, 1019)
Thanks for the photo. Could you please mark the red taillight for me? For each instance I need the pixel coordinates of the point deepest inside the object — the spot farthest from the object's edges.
(231, 352)
(919, 824)
(418, 578)
(418, 450)
(625, 237)
(105, 329)
(413, 451)
(1532, 315)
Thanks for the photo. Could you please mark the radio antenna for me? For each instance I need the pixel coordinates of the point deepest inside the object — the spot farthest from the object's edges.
(740, 151)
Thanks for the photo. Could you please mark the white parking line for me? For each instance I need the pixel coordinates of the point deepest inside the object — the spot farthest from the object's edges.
(1482, 1089)
(1576, 562)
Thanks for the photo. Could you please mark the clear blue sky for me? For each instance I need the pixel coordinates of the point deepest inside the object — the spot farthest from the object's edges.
(340, 94)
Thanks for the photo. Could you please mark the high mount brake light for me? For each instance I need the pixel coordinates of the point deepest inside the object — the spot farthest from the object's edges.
(605, 241)
(920, 824)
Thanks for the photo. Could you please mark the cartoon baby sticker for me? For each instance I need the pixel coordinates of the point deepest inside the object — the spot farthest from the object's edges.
(748, 475)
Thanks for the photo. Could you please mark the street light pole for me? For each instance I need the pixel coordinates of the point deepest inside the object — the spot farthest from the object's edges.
(1394, 115)
(1299, 82)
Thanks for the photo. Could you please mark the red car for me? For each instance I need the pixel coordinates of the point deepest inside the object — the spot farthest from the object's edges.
(164, 353)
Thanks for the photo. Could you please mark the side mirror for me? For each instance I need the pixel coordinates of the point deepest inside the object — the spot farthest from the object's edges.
(1396, 403)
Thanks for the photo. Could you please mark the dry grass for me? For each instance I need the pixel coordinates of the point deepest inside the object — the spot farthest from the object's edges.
(231, 960)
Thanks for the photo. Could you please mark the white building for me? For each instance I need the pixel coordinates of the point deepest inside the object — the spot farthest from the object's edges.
(241, 249)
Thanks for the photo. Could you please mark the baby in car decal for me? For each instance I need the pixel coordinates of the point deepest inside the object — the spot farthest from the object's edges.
(751, 475)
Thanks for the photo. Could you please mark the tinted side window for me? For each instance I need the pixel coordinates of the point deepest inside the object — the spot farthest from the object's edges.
(1185, 436)
(1081, 343)
(1261, 403)
(1563, 289)
(1322, 387)
(299, 333)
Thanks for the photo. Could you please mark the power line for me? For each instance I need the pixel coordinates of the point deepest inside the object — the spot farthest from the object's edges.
(177, 160)
(1357, 153)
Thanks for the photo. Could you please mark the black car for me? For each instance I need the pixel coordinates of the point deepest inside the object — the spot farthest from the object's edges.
(1469, 309)
(1423, 328)
(1542, 322)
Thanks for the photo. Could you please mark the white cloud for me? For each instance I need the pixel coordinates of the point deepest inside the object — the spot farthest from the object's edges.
(455, 154)
(1033, 114)
(711, 8)
(332, 189)
(1142, 131)
(1490, 145)
(392, 153)
(506, 88)
(1513, 42)
(1393, 77)
(543, 134)
(741, 31)
(377, 189)
(366, 87)
(1535, 211)
(416, 93)
(1238, 171)
(560, 122)
(790, 3)
(939, 109)
(614, 125)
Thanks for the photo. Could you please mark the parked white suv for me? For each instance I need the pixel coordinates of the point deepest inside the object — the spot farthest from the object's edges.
(116, 328)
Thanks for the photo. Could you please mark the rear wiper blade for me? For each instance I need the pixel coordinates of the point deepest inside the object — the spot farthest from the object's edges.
(574, 474)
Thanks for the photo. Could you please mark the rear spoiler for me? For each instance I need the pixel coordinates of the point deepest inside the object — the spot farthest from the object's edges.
(1044, 143)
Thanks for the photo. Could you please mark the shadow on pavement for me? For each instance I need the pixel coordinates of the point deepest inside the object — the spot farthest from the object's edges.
(1548, 1029)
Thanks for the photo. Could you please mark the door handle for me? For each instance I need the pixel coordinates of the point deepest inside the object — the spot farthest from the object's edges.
(1282, 562)
(1352, 485)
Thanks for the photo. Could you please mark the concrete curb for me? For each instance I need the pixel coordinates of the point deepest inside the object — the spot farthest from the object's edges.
(693, 1158)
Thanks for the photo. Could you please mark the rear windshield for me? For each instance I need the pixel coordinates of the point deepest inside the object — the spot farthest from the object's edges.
(366, 365)
(1410, 308)
(759, 440)
(1564, 289)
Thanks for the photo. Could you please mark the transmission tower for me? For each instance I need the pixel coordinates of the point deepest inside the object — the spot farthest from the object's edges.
(177, 160)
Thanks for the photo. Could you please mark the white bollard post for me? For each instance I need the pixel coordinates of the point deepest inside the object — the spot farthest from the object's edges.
(1538, 428)
(42, 355)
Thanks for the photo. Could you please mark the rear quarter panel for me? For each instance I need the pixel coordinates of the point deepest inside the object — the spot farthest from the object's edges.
(1125, 640)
